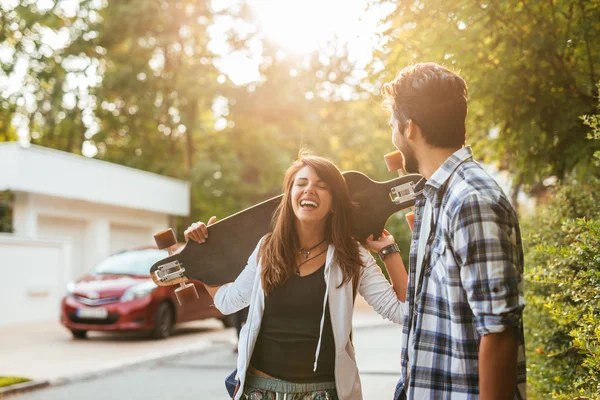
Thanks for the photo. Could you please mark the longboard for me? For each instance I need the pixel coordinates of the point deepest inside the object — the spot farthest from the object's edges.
(231, 240)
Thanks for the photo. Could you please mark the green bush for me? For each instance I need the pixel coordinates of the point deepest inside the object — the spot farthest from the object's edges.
(563, 294)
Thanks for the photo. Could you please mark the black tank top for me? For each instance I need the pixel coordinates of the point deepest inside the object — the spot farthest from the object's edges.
(289, 332)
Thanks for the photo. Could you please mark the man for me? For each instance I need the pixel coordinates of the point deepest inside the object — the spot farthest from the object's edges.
(462, 334)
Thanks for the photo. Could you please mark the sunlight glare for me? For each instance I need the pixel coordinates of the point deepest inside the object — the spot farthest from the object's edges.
(301, 26)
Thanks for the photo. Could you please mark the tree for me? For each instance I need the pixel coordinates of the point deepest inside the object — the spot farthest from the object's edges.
(34, 74)
(531, 68)
(158, 81)
(593, 121)
(138, 84)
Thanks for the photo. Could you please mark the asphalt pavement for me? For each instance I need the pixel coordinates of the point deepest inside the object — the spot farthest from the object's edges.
(201, 374)
(190, 365)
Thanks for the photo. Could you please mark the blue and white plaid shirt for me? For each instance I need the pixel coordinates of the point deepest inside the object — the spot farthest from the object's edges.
(471, 285)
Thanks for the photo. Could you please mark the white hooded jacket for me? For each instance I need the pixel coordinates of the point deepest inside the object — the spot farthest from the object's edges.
(247, 289)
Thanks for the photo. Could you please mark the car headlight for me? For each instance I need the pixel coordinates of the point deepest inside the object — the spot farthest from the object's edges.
(139, 291)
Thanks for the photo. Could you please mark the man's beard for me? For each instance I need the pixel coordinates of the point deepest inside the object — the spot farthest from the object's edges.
(411, 164)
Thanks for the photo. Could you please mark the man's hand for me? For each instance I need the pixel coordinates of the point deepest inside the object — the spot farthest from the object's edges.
(385, 239)
(198, 230)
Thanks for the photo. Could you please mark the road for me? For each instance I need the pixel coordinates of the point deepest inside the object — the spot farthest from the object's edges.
(200, 375)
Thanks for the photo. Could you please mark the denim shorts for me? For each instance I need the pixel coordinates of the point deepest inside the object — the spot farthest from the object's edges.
(260, 388)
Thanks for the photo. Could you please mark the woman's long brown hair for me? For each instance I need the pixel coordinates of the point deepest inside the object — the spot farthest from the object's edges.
(279, 249)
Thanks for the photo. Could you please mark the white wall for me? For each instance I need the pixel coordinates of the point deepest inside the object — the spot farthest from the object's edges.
(45, 171)
(89, 211)
(56, 228)
(34, 276)
(96, 230)
(70, 213)
(124, 237)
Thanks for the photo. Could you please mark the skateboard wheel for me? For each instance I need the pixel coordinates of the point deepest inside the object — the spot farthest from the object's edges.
(410, 218)
(394, 160)
(165, 239)
(186, 294)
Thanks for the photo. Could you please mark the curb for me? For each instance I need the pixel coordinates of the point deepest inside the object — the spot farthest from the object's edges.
(196, 349)
(23, 387)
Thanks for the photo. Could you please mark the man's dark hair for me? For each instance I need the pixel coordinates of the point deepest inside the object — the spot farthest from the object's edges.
(434, 98)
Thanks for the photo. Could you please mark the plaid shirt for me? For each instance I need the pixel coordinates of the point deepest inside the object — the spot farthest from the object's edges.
(471, 286)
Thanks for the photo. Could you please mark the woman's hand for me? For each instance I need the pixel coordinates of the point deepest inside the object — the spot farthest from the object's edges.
(385, 239)
(198, 230)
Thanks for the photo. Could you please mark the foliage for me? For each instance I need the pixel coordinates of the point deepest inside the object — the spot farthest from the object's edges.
(593, 121)
(562, 294)
(46, 102)
(295, 106)
(138, 82)
(7, 199)
(158, 80)
(563, 286)
(531, 67)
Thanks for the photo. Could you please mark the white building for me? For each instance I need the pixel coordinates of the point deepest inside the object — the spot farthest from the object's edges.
(70, 212)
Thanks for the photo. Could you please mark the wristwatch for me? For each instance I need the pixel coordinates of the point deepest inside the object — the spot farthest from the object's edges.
(391, 248)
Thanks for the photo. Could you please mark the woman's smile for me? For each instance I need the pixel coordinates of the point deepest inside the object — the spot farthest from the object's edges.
(308, 205)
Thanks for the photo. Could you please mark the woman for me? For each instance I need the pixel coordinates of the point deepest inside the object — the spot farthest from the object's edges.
(300, 283)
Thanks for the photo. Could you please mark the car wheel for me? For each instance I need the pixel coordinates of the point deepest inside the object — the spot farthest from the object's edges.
(78, 334)
(164, 321)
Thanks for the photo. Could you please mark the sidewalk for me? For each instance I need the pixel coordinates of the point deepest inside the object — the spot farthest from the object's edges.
(45, 352)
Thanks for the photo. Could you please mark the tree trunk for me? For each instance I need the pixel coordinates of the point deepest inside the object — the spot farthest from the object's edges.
(514, 196)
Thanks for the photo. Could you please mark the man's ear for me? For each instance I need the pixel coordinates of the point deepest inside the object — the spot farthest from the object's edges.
(413, 132)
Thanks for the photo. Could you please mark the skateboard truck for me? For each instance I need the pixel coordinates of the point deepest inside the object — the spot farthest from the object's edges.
(173, 271)
(401, 193)
(169, 271)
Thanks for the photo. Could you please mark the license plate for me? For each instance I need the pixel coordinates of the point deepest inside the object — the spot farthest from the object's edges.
(95, 313)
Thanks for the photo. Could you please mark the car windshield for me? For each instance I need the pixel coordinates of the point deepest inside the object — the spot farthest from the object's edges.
(131, 262)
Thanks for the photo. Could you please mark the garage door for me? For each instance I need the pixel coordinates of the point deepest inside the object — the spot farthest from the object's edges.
(53, 228)
(123, 237)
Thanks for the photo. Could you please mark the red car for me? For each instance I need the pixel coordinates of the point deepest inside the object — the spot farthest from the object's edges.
(120, 295)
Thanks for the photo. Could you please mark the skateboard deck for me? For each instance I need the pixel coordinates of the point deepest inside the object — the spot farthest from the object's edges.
(233, 239)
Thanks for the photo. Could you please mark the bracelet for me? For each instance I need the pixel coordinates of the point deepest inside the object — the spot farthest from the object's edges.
(391, 248)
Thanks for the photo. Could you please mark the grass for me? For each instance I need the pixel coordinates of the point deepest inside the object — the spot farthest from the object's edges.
(11, 380)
